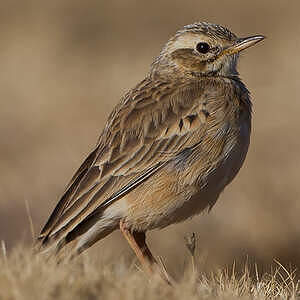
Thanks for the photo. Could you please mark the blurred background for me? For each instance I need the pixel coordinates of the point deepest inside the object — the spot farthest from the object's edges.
(65, 64)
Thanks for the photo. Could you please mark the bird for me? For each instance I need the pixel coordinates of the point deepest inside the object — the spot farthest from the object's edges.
(167, 151)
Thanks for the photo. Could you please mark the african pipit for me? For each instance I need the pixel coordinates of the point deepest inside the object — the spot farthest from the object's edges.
(168, 149)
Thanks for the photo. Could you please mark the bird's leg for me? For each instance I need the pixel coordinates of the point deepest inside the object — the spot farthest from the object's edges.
(137, 241)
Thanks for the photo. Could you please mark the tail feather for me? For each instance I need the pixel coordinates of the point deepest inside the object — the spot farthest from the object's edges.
(69, 244)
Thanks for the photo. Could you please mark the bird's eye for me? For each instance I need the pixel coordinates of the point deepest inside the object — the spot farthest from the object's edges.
(202, 48)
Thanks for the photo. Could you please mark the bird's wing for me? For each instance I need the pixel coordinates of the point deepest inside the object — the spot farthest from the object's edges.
(151, 125)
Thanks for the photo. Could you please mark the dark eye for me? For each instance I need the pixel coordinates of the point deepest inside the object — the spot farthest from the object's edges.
(202, 48)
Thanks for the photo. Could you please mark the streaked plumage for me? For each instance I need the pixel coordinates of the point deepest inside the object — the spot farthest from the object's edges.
(169, 147)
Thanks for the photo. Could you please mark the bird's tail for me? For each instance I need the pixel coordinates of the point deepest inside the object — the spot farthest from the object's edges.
(72, 243)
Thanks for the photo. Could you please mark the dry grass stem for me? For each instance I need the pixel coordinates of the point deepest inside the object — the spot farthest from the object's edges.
(30, 220)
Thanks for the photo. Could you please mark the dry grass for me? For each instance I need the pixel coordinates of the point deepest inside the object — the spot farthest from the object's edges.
(26, 276)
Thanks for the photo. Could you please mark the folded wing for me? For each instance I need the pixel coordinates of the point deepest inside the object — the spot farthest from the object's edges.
(153, 124)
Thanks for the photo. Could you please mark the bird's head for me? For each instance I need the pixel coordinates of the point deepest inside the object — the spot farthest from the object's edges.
(202, 49)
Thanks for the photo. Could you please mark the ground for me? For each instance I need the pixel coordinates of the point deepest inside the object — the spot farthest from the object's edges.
(27, 276)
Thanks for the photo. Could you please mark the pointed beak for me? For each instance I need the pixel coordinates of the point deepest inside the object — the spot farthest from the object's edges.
(242, 44)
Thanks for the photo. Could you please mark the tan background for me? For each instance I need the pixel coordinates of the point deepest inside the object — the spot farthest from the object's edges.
(65, 64)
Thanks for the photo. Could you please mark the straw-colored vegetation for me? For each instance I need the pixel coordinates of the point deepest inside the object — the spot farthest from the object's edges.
(24, 276)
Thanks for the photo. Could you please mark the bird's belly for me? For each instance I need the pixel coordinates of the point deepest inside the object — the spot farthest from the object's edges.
(208, 192)
(208, 189)
(169, 198)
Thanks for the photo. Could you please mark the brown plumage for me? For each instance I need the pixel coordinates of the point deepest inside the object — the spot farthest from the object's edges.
(168, 149)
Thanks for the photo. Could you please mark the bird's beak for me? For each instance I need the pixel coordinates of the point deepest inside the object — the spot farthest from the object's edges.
(242, 44)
